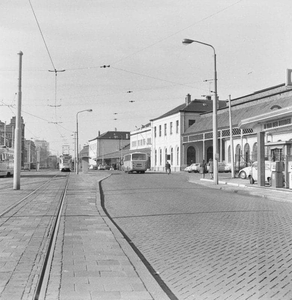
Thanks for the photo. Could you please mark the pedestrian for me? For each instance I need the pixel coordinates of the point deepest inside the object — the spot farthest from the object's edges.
(203, 168)
(167, 168)
(211, 167)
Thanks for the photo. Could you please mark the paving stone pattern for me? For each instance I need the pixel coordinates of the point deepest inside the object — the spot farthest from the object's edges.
(92, 264)
(204, 243)
(23, 240)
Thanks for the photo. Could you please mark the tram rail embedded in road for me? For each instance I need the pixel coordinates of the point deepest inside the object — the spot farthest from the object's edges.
(14, 205)
(45, 273)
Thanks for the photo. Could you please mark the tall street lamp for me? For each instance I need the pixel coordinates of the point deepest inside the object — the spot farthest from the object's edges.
(77, 154)
(215, 126)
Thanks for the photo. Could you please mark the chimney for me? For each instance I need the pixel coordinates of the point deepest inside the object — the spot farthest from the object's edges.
(188, 99)
(98, 133)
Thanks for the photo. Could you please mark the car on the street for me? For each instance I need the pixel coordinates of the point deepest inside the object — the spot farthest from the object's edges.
(101, 167)
(195, 168)
(269, 168)
(222, 167)
(245, 173)
(187, 169)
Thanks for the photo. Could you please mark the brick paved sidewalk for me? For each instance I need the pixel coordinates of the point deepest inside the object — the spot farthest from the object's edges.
(242, 186)
(93, 258)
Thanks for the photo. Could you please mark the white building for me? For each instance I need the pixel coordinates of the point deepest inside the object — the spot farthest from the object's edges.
(266, 111)
(141, 138)
(167, 133)
(106, 143)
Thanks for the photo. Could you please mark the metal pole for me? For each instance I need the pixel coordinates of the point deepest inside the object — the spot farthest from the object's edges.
(77, 155)
(5, 134)
(29, 149)
(231, 140)
(18, 129)
(215, 126)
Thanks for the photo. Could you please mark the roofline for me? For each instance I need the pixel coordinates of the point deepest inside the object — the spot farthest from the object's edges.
(279, 113)
(256, 99)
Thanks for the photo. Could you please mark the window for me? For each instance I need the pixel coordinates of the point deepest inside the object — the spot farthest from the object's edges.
(246, 153)
(171, 156)
(127, 157)
(177, 156)
(277, 154)
(177, 126)
(160, 156)
(155, 131)
(191, 122)
(170, 128)
(155, 157)
(159, 130)
(165, 129)
(254, 151)
(138, 156)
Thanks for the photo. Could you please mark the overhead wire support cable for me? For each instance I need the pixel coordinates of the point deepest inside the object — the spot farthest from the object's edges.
(54, 68)
(42, 35)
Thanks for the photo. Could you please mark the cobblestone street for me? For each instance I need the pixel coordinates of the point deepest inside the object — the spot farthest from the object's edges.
(205, 243)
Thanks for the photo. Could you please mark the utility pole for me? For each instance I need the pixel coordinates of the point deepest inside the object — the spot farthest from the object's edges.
(231, 140)
(18, 131)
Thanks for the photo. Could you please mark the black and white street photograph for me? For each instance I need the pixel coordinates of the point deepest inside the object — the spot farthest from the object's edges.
(145, 150)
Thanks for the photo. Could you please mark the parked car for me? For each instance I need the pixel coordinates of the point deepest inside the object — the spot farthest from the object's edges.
(245, 172)
(222, 167)
(269, 168)
(101, 167)
(195, 168)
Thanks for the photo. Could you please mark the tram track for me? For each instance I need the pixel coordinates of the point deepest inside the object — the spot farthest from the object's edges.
(20, 201)
(31, 225)
(45, 272)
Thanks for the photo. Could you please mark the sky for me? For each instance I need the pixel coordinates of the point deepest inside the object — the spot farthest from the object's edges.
(149, 71)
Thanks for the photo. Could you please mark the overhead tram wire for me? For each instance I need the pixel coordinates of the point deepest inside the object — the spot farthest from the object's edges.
(42, 35)
(49, 54)
(55, 106)
(161, 40)
(153, 44)
(177, 32)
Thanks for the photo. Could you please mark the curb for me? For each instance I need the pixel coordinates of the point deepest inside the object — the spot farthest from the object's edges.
(248, 190)
(152, 286)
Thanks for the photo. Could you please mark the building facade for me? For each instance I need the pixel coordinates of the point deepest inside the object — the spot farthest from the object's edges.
(30, 155)
(141, 138)
(103, 145)
(7, 135)
(43, 153)
(198, 138)
(167, 131)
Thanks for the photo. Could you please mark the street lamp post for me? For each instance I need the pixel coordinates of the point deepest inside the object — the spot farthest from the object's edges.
(77, 154)
(215, 126)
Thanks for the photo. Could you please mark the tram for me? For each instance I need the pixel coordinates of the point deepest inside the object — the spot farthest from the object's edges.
(65, 163)
(6, 161)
